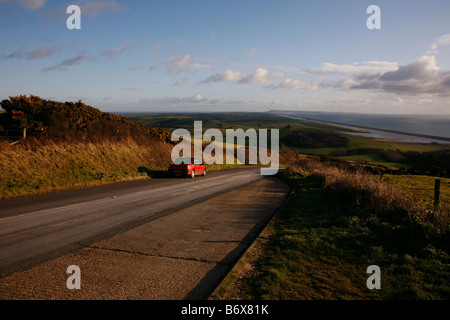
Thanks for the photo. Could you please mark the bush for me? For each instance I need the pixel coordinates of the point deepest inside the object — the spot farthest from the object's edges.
(72, 122)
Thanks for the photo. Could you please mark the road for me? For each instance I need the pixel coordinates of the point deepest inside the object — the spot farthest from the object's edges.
(63, 224)
(174, 237)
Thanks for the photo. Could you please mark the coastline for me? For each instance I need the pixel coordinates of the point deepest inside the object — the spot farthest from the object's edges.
(376, 133)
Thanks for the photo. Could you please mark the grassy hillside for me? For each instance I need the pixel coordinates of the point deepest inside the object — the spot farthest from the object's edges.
(72, 145)
(335, 225)
(230, 120)
(53, 167)
(55, 128)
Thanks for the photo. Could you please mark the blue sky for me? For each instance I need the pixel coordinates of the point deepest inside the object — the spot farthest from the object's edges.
(230, 55)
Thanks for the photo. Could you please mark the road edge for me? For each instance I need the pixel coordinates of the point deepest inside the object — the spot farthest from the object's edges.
(232, 274)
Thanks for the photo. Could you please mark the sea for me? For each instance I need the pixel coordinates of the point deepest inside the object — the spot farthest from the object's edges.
(430, 125)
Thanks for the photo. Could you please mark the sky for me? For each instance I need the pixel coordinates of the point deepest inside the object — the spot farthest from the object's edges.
(218, 56)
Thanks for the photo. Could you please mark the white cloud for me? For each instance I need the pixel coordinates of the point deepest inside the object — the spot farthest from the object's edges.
(28, 4)
(90, 9)
(261, 75)
(421, 69)
(67, 63)
(16, 54)
(174, 101)
(441, 41)
(183, 63)
(290, 84)
(121, 48)
(179, 64)
(253, 52)
(201, 45)
(226, 76)
(31, 4)
(421, 77)
(41, 52)
(93, 8)
(369, 67)
(132, 89)
(180, 82)
(196, 98)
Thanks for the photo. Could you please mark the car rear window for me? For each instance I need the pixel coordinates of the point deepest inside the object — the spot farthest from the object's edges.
(187, 161)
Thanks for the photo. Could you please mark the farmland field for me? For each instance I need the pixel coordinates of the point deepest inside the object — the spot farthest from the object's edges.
(368, 151)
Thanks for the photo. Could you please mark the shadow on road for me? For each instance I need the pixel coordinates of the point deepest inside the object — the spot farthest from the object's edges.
(155, 173)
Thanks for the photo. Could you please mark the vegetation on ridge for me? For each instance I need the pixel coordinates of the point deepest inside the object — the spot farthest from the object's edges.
(72, 122)
(72, 145)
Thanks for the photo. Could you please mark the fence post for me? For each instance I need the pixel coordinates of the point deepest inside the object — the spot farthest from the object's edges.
(24, 133)
(437, 191)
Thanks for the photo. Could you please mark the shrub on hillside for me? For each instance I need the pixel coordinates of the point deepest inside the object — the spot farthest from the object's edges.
(72, 122)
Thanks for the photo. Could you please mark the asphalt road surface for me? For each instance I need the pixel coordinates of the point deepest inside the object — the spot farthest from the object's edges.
(156, 224)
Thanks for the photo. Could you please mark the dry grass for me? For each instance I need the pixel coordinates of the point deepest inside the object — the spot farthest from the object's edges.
(38, 166)
(340, 220)
(320, 249)
(374, 197)
(35, 167)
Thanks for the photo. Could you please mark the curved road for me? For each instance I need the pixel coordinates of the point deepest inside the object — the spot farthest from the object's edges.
(63, 220)
(154, 239)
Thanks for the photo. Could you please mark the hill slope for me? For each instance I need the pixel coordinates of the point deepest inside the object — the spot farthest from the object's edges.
(71, 145)
(68, 121)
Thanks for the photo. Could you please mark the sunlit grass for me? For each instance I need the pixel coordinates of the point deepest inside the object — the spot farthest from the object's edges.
(57, 166)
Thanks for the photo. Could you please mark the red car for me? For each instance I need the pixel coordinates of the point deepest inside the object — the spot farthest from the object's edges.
(187, 167)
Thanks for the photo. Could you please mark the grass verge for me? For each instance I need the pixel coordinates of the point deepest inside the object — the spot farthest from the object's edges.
(54, 167)
(36, 167)
(320, 249)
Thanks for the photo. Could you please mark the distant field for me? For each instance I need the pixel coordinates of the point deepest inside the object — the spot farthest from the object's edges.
(356, 142)
(211, 120)
(223, 121)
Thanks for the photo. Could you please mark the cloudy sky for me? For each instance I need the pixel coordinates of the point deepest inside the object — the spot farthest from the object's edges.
(245, 55)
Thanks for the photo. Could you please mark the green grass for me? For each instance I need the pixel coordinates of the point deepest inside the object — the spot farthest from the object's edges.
(245, 121)
(362, 142)
(224, 120)
(375, 160)
(211, 120)
(319, 250)
(423, 188)
(356, 142)
(364, 158)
